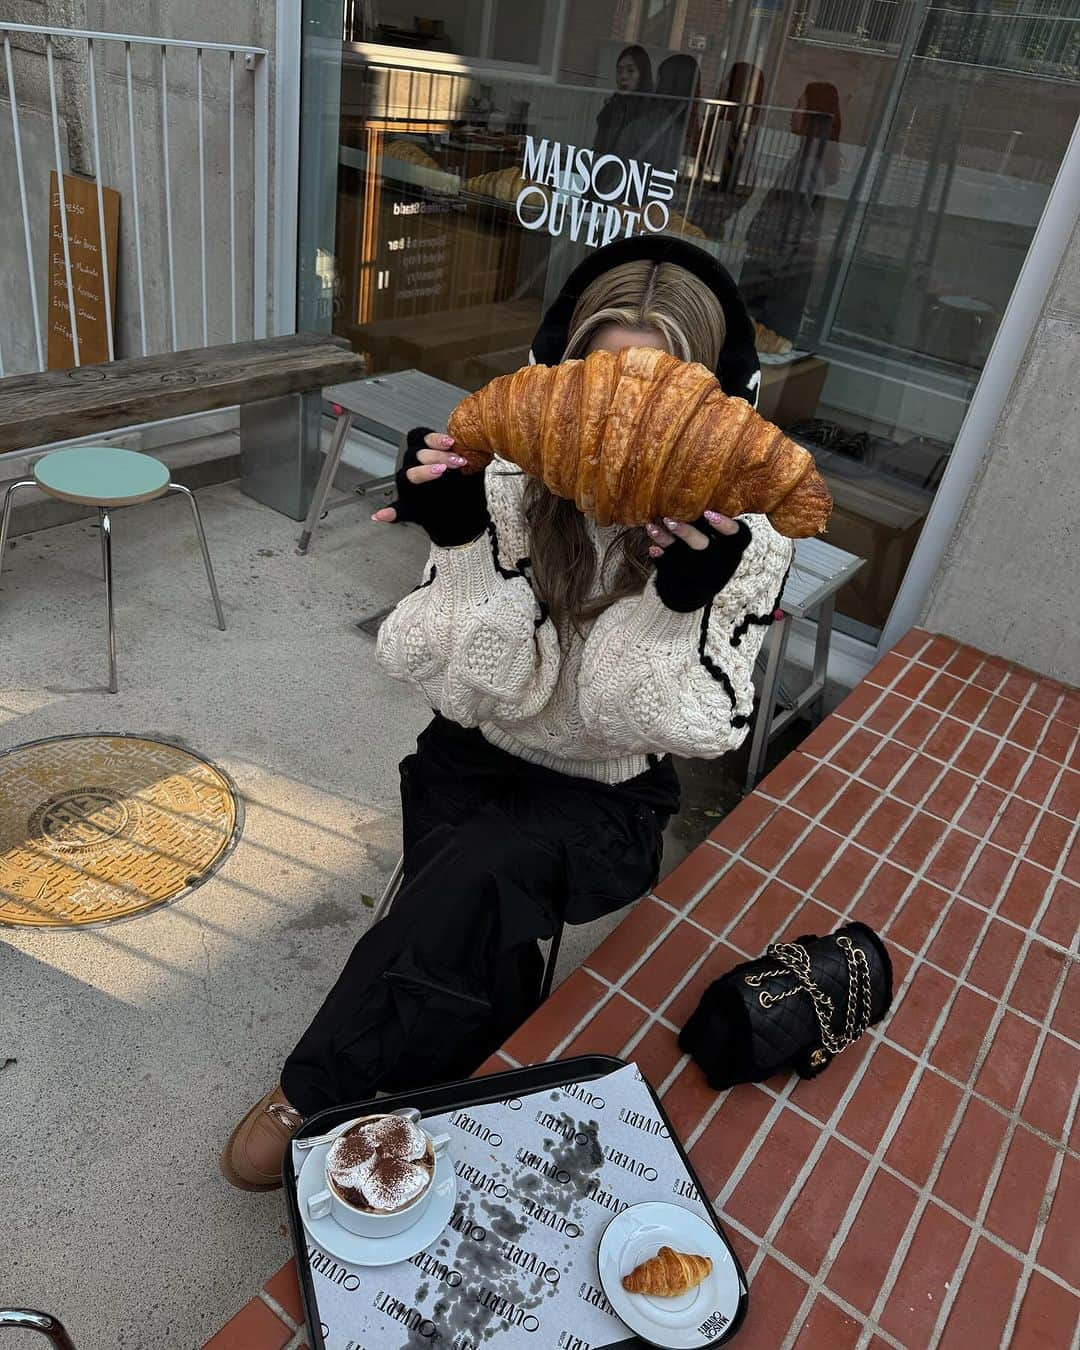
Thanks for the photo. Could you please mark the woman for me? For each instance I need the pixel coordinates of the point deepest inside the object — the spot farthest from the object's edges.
(616, 132)
(566, 664)
(782, 241)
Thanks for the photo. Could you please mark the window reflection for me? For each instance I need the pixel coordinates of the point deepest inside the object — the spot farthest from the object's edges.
(871, 171)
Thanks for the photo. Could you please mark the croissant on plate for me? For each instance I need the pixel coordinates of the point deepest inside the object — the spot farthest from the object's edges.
(638, 435)
(667, 1273)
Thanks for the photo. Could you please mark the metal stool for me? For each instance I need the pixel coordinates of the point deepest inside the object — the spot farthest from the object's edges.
(818, 572)
(106, 477)
(29, 1320)
(385, 407)
(394, 885)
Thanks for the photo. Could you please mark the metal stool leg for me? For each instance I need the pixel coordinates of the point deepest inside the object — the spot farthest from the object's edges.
(759, 745)
(178, 487)
(5, 520)
(394, 885)
(550, 963)
(106, 567)
(392, 888)
(825, 617)
(326, 479)
(29, 1320)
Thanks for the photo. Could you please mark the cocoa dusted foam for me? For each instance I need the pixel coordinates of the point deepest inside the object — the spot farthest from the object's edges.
(381, 1164)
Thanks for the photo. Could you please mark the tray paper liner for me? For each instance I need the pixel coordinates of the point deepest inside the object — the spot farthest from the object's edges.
(539, 1179)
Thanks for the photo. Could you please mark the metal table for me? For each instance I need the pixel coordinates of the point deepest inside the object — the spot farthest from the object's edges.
(818, 572)
(385, 407)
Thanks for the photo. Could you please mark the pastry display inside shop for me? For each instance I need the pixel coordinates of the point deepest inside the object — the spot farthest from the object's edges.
(772, 344)
(667, 1274)
(639, 435)
(408, 152)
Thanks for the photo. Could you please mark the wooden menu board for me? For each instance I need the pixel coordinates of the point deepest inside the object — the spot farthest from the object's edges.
(87, 273)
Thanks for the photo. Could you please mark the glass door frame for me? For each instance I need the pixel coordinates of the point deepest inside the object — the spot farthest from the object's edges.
(1029, 295)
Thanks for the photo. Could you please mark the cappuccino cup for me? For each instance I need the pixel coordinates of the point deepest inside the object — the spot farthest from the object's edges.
(380, 1174)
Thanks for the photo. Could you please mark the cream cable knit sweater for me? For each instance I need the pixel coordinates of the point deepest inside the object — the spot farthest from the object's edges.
(643, 680)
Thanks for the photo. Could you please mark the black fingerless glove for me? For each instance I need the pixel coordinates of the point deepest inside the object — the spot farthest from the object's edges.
(452, 509)
(689, 579)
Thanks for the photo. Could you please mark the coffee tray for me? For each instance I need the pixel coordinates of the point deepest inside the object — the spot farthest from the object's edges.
(546, 1157)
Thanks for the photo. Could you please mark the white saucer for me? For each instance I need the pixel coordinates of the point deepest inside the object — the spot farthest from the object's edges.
(687, 1321)
(366, 1251)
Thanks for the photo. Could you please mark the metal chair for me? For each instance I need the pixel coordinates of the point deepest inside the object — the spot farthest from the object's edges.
(394, 885)
(106, 477)
(28, 1320)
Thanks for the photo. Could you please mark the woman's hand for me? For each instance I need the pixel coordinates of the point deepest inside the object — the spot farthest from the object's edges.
(695, 562)
(433, 458)
(663, 534)
(432, 493)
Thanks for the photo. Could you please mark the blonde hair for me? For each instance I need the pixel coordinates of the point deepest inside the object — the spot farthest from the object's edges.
(643, 294)
(690, 319)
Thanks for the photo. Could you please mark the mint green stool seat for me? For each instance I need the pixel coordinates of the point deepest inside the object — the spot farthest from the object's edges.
(101, 476)
(107, 477)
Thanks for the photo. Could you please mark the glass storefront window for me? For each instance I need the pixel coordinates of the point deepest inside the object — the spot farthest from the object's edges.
(870, 171)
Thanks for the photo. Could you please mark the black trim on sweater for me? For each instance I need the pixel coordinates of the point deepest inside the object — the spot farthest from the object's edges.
(720, 675)
(760, 620)
(429, 582)
(520, 570)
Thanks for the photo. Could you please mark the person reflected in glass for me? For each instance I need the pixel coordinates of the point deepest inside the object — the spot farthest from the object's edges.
(676, 123)
(783, 237)
(622, 121)
(743, 95)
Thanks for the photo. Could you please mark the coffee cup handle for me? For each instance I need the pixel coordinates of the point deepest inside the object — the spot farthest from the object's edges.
(439, 1142)
(319, 1205)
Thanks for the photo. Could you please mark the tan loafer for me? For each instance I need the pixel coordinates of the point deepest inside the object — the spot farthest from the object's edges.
(251, 1160)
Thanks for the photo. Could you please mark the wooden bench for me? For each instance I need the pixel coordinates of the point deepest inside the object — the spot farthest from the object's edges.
(276, 382)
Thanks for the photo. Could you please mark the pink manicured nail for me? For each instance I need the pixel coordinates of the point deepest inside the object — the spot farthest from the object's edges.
(656, 552)
(446, 441)
(438, 468)
(671, 524)
(458, 461)
(714, 516)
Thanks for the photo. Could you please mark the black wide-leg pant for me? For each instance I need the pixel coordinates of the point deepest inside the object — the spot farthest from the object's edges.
(496, 852)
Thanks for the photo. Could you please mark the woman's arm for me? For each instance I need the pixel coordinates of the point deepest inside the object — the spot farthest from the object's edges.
(472, 635)
(656, 679)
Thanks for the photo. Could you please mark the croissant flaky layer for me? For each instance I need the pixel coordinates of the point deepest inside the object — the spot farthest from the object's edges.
(638, 435)
(667, 1273)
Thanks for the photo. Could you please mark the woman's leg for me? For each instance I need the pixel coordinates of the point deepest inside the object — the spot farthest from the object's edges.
(431, 990)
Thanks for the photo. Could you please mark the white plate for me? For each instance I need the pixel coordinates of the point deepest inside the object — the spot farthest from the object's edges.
(366, 1251)
(687, 1321)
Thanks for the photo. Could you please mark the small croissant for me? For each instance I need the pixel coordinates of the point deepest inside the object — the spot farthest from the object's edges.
(639, 435)
(667, 1273)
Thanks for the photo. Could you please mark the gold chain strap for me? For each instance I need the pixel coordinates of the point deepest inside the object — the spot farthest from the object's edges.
(794, 960)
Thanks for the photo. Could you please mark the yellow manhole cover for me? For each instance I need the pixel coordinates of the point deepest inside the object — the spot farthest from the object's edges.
(94, 828)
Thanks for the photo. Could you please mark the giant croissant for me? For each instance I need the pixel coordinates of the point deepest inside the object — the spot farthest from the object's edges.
(640, 435)
(667, 1273)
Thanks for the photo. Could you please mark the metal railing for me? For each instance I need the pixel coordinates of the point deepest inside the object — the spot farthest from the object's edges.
(218, 95)
(1040, 37)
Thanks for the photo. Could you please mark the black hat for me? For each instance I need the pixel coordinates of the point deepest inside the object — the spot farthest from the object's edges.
(737, 369)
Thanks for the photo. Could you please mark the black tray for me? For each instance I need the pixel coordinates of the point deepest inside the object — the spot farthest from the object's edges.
(467, 1092)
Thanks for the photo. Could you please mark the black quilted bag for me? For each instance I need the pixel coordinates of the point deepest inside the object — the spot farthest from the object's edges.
(797, 1007)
